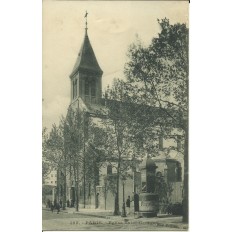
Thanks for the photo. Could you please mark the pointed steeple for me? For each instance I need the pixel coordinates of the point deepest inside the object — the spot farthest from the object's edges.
(86, 60)
(86, 76)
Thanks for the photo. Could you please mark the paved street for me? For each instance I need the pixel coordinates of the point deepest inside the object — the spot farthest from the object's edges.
(72, 221)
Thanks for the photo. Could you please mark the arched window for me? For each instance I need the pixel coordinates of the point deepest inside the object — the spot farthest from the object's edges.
(86, 87)
(159, 174)
(73, 89)
(109, 169)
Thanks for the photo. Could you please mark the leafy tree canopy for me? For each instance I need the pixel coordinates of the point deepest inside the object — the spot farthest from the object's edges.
(157, 75)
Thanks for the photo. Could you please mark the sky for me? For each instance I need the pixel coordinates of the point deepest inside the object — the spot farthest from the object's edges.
(112, 27)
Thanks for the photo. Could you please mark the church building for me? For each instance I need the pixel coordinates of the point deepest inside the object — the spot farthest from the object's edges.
(86, 96)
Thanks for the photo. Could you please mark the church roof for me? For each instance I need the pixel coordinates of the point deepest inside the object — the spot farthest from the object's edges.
(86, 60)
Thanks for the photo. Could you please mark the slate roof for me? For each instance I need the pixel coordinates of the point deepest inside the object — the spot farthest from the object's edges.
(86, 60)
(147, 114)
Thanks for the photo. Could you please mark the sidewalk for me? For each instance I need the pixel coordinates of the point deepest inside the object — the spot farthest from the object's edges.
(170, 221)
(174, 222)
(100, 213)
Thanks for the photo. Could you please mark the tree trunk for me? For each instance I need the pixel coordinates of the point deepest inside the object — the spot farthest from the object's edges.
(105, 194)
(77, 196)
(116, 202)
(76, 187)
(186, 185)
(64, 193)
(116, 205)
(119, 143)
(95, 181)
(57, 186)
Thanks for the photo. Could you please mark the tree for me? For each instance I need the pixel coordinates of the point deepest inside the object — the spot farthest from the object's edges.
(72, 132)
(56, 158)
(118, 146)
(45, 165)
(64, 150)
(94, 157)
(157, 76)
(46, 190)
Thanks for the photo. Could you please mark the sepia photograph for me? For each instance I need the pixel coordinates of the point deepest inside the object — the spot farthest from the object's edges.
(115, 136)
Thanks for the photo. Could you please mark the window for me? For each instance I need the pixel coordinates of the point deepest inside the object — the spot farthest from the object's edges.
(93, 88)
(51, 182)
(109, 170)
(144, 186)
(178, 171)
(178, 143)
(74, 88)
(171, 177)
(86, 87)
(159, 174)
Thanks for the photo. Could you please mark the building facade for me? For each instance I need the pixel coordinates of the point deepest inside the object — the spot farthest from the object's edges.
(50, 186)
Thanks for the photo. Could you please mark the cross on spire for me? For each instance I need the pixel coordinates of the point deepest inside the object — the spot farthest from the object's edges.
(86, 23)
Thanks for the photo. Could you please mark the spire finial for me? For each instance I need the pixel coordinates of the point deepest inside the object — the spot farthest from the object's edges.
(86, 23)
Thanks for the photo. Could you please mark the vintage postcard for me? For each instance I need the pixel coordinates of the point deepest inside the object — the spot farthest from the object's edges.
(115, 115)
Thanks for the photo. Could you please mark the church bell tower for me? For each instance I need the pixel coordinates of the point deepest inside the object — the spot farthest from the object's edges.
(86, 77)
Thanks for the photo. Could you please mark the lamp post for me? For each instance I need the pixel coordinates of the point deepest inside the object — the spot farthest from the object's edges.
(123, 204)
(105, 183)
(166, 172)
(84, 155)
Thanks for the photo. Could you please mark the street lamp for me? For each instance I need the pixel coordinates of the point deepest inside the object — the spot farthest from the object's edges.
(123, 204)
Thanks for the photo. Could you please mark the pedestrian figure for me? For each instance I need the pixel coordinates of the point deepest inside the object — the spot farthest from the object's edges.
(55, 204)
(48, 204)
(52, 207)
(68, 203)
(128, 205)
(60, 203)
(72, 203)
(58, 208)
(97, 200)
